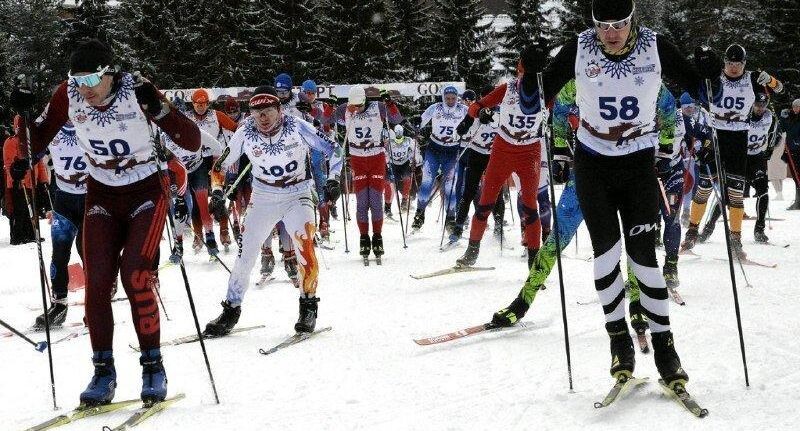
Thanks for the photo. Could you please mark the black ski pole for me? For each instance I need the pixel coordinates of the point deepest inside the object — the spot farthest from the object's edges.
(345, 180)
(723, 187)
(156, 148)
(40, 346)
(38, 237)
(554, 209)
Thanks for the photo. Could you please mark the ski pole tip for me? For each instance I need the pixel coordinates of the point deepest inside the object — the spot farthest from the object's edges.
(41, 346)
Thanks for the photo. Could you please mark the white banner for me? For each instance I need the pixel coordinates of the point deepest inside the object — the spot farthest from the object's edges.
(414, 90)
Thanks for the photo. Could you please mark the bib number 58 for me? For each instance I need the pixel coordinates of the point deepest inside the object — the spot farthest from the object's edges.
(627, 109)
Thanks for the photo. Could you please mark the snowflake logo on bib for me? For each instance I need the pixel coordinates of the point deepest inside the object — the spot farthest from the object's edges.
(103, 118)
(588, 40)
(68, 137)
(73, 92)
(645, 40)
(618, 69)
(125, 87)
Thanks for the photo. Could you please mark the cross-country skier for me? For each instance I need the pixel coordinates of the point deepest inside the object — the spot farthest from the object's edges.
(364, 123)
(212, 122)
(125, 199)
(759, 150)
(441, 154)
(618, 66)
(277, 145)
(697, 133)
(735, 90)
(516, 148)
(789, 130)
(404, 155)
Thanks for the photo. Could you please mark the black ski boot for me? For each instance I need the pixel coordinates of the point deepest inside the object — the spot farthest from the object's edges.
(222, 325)
(623, 357)
(419, 219)
(708, 229)
(638, 319)
(365, 246)
(211, 244)
(177, 252)
(56, 315)
(456, 233)
(670, 271)
(267, 261)
(512, 314)
(532, 252)
(470, 255)
(377, 246)
(760, 236)
(667, 360)
(308, 315)
(449, 223)
(404, 204)
(690, 239)
(736, 245)
(290, 265)
(387, 210)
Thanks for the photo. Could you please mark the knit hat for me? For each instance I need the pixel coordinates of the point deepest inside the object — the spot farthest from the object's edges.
(90, 56)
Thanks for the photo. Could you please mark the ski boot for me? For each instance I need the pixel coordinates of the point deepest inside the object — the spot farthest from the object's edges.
(532, 252)
(455, 235)
(449, 223)
(225, 238)
(222, 325)
(419, 219)
(334, 212)
(177, 252)
(290, 265)
(670, 272)
(623, 357)
(56, 315)
(708, 230)
(387, 210)
(512, 314)
(197, 244)
(307, 320)
(154, 378)
(667, 360)
(267, 262)
(365, 247)
(211, 244)
(690, 239)
(404, 204)
(736, 245)
(796, 204)
(104, 382)
(470, 255)
(377, 247)
(638, 319)
(760, 236)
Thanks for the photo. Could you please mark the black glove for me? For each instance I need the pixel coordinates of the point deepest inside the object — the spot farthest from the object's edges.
(19, 169)
(21, 95)
(663, 166)
(464, 125)
(705, 154)
(332, 190)
(485, 116)
(707, 62)
(181, 210)
(560, 170)
(147, 95)
(218, 205)
(303, 107)
(333, 101)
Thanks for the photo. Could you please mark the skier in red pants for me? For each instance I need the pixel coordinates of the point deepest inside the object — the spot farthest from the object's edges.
(126, 202)
(516, 148)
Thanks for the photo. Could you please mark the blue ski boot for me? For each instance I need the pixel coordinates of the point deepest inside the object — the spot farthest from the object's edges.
(101, 389)
(154, 378)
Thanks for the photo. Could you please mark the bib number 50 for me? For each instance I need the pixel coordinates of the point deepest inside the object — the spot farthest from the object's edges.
(627, 109)
(114, 147)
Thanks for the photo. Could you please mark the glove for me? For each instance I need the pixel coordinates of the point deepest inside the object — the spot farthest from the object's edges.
(19, 169)
(218, 204)
(332, 190)
(707, 62)
(333, 101)
(303, 107)
(764, 78)
(181, 210)
(485, 116)
(147, 96)
(21, 95)
(663, 166)
(464, 125)
(560, 169)
(705, 154)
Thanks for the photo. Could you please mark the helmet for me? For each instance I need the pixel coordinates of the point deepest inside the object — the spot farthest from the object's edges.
(231, 105)
(309, 85)
(736, 53)
(283, 82)
(468, 95)
(200, 96)
(356, 95)
(398, 132)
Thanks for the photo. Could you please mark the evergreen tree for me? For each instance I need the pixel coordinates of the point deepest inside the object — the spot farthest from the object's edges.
(408, 31)
(529, 27)
(91, 20)
(460, 48)
(575, 18)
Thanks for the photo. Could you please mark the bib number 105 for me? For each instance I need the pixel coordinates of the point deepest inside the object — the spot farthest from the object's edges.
(626, 109)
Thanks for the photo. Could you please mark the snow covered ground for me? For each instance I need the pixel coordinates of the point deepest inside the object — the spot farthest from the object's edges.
(368, 374)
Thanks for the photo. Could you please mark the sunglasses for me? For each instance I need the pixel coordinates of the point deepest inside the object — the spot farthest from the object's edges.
(616, 25)
(90, 80)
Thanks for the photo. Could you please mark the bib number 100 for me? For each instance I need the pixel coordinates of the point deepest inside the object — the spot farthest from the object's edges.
(627, 108)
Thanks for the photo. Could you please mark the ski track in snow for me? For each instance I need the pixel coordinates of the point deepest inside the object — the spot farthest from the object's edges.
(367, 373)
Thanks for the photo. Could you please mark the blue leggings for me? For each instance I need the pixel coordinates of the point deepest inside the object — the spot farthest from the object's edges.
(438, 159)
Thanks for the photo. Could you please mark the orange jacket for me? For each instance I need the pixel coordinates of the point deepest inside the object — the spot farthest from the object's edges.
(12, 151)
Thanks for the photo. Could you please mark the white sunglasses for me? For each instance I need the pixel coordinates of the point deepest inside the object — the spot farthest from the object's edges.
(90, 80)
(616, 25)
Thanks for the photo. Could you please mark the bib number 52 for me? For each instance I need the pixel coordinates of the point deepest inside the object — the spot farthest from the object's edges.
(626, 109)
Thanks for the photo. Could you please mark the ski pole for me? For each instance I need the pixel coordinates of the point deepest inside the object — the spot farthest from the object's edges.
(554, 209)
(38, 237)
(156, 145)
(722, 186)
(40, 346)
(345, 180)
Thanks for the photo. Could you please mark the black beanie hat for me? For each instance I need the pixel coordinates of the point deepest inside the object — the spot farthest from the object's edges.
(611, 10)
(90, 56)
(736, 52)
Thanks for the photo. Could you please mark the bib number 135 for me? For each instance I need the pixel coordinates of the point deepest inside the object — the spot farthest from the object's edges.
(627, 108)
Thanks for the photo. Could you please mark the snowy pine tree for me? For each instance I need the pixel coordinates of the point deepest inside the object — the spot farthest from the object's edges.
(529, 28)
(575, 18)
(408, 30)
(91, 20)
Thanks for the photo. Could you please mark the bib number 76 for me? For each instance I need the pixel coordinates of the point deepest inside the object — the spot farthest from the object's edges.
(626, 109)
